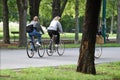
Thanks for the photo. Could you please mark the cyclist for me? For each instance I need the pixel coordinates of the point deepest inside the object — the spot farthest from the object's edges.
(37, 30)
(55, 28)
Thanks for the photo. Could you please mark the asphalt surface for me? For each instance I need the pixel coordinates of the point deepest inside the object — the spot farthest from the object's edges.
(15, 59)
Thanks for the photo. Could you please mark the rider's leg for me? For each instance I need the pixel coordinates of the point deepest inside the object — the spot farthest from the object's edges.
(39, 37)
(57, 38)
(31, 39)
(50, 33)
(31, 36)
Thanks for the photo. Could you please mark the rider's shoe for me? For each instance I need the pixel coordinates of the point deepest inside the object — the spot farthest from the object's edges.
(56, 45)
(38, 43)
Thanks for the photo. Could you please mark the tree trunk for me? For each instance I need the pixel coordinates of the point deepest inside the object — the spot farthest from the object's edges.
(118, 28)
(112, 16)
(55, 8)
(63, 6)
(76, 22)
(58, 7)
(34, 8)
(22, 8)
(6, 35)
(86, 58)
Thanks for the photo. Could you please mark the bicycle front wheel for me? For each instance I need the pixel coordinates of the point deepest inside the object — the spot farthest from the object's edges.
(98, 50)
(61, 48)
(50, 48)
(41, 50)
(29, 50)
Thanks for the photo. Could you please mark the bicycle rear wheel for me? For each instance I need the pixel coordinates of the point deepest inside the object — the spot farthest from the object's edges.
(29, 50)
(41, 50)
(61, 48)
(50, 48)
(98, 50)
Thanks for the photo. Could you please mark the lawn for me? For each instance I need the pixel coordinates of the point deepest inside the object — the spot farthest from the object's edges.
(106, 71)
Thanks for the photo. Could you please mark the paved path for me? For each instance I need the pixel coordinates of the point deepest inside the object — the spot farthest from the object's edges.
(10, 59)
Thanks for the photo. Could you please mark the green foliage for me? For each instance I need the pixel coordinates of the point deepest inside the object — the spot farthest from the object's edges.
(45, 12)
(68, 16)
(111, 7)
(68, 22)
(108, 26)
(13, 11)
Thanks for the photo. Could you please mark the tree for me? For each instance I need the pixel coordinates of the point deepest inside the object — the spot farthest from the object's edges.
(1, 11)
(22, 9)
(13, 14)
(34, 8)
(76, 22)
(86, 58)
(63, 4)
(118, 28)
(6, 22)
(55, 8)
(58, 8)
(113, 9)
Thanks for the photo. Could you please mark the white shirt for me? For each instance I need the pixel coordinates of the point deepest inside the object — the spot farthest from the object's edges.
(34, 23)
(55, 25)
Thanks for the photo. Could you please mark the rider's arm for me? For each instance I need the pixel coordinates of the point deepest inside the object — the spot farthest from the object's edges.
(59, 27)
(41, 29)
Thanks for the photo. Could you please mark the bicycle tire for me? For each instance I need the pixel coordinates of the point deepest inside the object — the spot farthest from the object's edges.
(41, 50)
(50, 49)
(30, 52)
(61, 48)
(98, 51)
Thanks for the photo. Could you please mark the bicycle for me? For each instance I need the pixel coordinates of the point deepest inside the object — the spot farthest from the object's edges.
(32, 47)
(51, 47)
(98, 50)
(98, 46)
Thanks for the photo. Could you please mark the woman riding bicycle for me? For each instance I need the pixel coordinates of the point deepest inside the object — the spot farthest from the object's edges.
(37, 30)
(55, 28)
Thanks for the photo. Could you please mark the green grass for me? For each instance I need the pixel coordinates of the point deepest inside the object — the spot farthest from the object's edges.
(111, 45)
(108, 71)
(103, 45)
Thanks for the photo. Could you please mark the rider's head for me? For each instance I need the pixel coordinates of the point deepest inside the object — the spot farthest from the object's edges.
(35, 18)
(56, 18)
